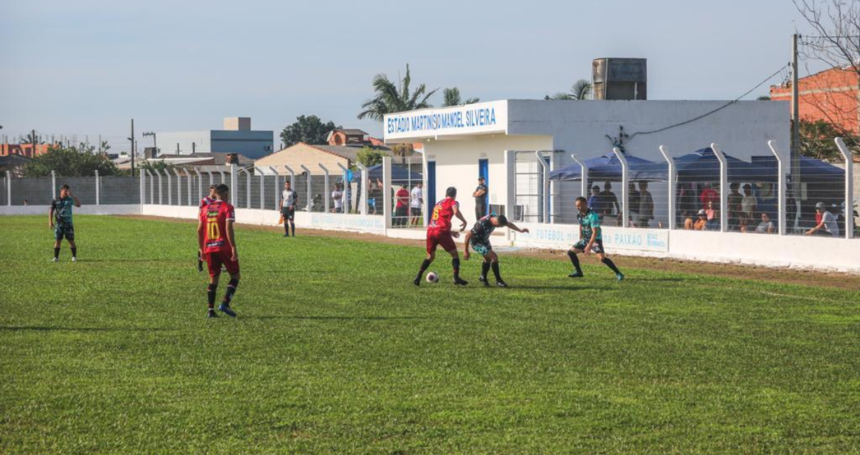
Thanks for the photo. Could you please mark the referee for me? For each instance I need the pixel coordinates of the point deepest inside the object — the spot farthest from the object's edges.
(289, 198)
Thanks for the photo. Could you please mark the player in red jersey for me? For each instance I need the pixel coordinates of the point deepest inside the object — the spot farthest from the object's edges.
(439, 233)
(203, 203)
(217, 243)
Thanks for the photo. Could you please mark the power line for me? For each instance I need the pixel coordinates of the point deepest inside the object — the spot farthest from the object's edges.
(685, 122)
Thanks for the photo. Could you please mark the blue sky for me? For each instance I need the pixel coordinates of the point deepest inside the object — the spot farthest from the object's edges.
(88, 66)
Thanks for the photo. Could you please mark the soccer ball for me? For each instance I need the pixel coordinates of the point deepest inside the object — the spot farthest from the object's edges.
(432, 277)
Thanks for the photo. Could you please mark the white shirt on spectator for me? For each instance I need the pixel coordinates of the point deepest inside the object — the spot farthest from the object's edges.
(763, 227)
(338, 198)
(416, 197)
(748, 204)
(830, 225)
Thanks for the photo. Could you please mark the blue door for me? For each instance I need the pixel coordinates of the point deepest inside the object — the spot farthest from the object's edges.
(431, 186)
(484, 171)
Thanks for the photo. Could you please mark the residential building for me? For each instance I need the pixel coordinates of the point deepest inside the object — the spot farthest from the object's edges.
(235, 137)
(832, 95)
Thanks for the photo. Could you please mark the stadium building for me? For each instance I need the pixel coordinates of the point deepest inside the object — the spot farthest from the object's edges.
(463, 142)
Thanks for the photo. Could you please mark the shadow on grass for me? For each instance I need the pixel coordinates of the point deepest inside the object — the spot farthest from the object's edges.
(570, 287)
(80, 329)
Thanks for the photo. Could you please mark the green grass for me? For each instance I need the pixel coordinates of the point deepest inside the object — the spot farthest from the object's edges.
(335, 351)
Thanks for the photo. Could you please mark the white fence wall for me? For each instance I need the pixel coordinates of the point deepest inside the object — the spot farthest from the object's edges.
(818, 253)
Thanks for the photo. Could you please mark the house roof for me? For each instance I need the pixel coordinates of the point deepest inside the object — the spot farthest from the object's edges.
(346, 151)
(215, 158)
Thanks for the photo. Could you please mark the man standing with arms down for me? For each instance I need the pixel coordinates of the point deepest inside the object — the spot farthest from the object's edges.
(289, 199)
(439, 233)
(416, 201)
(216, 240)
(60, 220)
(480, 195)
(590, 239)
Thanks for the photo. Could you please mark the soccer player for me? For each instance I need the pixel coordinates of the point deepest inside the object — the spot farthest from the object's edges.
(439, 233)
(203, 203)
(60, 220)
(217, 243)
(590, 239)
(289, 198)
(210, 198)
(479, 239)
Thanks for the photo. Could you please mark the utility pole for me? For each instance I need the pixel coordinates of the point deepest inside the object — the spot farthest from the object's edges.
(795, 122)
(132, 147)
(33, 142)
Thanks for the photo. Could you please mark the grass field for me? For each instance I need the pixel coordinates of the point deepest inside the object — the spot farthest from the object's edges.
(335, 350)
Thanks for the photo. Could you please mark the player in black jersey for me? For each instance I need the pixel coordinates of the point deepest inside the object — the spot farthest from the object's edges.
(479, 239)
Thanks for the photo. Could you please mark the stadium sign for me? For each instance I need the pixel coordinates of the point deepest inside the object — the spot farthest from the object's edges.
(478, 118)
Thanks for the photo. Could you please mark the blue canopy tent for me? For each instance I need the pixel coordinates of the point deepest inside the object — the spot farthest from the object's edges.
(398, 174)
(811, 170)
(603, 168)
(703, 166)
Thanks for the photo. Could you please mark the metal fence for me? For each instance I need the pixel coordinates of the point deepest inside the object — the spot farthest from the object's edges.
(95, 190)
(707, 190)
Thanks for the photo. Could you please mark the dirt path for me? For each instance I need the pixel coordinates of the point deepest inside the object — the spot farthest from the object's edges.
(811, 278)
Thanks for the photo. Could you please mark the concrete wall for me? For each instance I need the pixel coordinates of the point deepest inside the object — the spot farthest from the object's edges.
(819, 253)
(253, 144)
(117, 209)
(457, 165)
(300, 154)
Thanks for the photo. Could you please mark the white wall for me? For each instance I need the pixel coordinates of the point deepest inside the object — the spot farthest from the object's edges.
(818, 253)
(457, 165)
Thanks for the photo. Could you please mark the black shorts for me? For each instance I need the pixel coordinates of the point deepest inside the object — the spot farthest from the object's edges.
(416, 211)
(66, 231)
(596, 247)
(289, 213)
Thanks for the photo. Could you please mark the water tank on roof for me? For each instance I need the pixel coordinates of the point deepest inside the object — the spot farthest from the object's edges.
(620, 78)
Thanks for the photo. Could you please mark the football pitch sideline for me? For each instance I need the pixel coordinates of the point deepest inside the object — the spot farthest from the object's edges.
(335, 351)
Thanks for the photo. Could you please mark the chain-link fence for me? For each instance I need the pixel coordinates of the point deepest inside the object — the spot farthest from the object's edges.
(89, 190)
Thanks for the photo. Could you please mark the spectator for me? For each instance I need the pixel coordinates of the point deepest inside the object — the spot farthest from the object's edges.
(699, 224)
(633, 200)
(415, 204)
(827, 226)
(608, 202)
(713, 217)
(735, 200)
(749, 203)
(373, 194)
(480, 195)
(594, 201)
(401, 209)
(766, 225)
(708, 195)
(337, 197)
(646, 205)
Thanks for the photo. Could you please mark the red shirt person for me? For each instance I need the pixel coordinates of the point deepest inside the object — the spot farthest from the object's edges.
(217, 243)
(709, 195)
(439, 234)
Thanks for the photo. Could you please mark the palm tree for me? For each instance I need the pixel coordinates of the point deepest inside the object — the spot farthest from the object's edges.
(389, 98)
(581, 90)
(452, 98)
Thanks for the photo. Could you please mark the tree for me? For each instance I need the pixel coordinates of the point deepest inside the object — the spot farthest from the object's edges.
(31, 138)
(70, 161)
(369, 157)
(390, 98)
(310, 130)
(452, 98)
(817, 140)
(581, 90)
(402, 150)
(763, 98)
